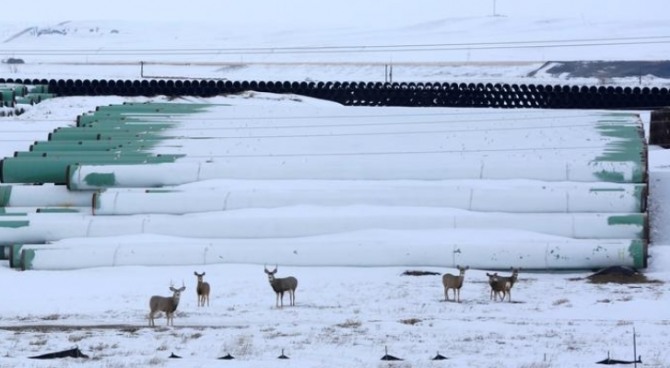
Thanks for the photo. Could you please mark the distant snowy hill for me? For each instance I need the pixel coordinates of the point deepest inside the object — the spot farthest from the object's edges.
(429, 41)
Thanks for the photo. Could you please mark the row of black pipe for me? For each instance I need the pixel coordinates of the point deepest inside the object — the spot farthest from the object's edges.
(441, 94)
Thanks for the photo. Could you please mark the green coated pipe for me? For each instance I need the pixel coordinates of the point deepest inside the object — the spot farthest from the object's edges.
(93, 134)
(58, 210)
(28, 100)
(92, 145)
(5, 194)
(20, 90)
(14, 255)
(38, 88)
(144, 108)
(131, 124)
(5, 214)
(7, 94)
(132, 136)
(74, 154)
(54, 170)
(43, 96)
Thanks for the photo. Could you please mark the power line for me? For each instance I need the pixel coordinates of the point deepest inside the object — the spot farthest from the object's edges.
(586, 42)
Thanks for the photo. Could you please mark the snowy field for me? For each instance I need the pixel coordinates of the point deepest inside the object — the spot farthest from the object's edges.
(344, 316)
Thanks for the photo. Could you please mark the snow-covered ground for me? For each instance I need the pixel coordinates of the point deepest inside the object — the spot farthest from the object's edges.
(344, 316)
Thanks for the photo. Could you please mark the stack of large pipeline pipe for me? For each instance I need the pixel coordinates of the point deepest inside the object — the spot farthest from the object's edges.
(550, 189)
(12, 95)
(121, 142)
(362, 93)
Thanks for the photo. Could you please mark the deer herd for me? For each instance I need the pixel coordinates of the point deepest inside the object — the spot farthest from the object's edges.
(501, 287)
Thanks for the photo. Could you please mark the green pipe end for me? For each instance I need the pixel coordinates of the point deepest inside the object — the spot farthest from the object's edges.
(27, 258)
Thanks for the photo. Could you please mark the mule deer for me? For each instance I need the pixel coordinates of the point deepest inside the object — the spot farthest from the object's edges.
(281, 285)
(502, 285)
(202, 289)
(167, 304)
(454, 282)
(509, 283)
(497, 287)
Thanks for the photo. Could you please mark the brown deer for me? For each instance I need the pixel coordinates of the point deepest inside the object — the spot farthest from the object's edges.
(454, 282)
(497, 286)
(202, 290)
(165, 304)
(281, 285)
(502, 286)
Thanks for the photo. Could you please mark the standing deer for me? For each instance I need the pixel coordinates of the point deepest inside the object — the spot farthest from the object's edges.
(167, 304)
(281, 285)
(497, 287)
(454, 282)
(509, 283)
(502, 285)
(202, 290)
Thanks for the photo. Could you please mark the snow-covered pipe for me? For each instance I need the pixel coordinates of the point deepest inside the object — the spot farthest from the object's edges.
(43, 196)
(382, 167)
(308, 221)
(482, 195)
(303, 118)
(323, 141)
(485, 250)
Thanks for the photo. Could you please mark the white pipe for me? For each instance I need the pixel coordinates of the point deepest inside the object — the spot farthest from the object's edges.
(374, 167)
(496, 250)
(302, 221)
(46, 195)
(487, 196)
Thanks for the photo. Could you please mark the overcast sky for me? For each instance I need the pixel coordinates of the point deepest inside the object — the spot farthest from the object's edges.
(260, 11)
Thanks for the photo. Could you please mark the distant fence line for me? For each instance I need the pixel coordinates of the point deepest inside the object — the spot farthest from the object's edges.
(437, 94)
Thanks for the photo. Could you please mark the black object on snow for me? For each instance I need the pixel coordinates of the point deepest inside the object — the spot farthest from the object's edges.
(227, 357)
(616, 270)
(174, 356)
(71, 353)
(610, 361)
(419, 273)
(440, 357)
(282, 356)
(387, 356)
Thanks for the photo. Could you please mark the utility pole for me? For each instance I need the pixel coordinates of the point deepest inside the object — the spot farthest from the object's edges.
(634, 350)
